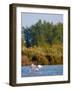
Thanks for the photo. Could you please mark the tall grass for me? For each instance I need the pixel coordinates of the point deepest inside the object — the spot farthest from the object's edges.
(46, 55)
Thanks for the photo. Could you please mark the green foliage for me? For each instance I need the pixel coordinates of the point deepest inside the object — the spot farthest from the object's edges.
(45, 32)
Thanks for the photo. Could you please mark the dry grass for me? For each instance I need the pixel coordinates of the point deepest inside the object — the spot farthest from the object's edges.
(45, 54)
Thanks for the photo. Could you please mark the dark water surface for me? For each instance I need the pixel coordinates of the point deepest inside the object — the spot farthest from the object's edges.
(46, 70)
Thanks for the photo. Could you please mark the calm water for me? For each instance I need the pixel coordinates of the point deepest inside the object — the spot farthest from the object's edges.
(46, 70)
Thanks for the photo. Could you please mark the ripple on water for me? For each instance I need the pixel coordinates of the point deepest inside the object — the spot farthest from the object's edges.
(46, 70)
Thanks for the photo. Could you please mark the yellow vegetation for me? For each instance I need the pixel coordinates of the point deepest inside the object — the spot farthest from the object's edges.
(45, 54)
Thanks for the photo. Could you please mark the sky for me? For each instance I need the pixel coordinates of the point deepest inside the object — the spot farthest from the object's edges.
(28, 19)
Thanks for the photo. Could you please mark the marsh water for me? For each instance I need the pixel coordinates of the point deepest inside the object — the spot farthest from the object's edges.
(46, 70)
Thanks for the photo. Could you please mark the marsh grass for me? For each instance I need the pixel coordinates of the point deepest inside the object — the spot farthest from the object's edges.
(46, 55)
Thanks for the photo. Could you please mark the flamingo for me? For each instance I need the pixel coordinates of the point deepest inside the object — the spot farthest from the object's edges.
(36, 67)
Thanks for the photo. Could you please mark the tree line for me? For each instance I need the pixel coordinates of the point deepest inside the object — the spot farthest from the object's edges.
(42, 33)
